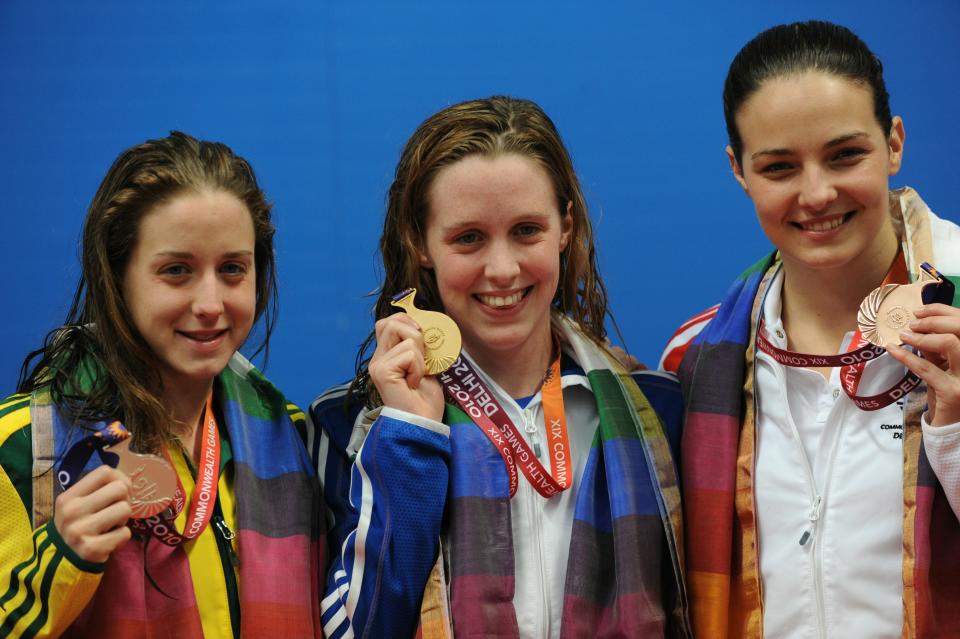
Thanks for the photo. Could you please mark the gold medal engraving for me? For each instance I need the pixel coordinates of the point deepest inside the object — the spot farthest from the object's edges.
(154, 480)
(441, 337)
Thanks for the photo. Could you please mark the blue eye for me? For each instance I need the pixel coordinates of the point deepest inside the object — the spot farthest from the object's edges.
(175, 270)
(233, 268)
(527, 230)
(470, 237)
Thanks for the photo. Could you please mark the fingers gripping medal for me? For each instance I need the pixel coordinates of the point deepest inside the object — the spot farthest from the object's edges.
(441, 337)
(154, 479)
(887, 311)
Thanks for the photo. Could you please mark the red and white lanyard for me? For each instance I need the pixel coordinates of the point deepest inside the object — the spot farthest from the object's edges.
(852, 363)
(204, 492)
(464, 387)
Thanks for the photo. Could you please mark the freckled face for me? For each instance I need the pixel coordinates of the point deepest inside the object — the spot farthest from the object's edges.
(816, 164)
(494, 237)
(190, 284)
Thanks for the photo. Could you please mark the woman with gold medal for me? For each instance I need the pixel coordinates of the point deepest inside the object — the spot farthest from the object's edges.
(529, 489)
(821, 474)
(207, 529)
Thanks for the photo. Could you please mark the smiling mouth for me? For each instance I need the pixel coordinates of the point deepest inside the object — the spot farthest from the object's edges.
(204, 336)
(503, 301)
(822, 226)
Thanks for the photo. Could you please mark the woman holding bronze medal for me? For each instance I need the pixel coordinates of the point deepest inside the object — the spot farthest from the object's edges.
(206, 531)
(822, 491)
(524, 486)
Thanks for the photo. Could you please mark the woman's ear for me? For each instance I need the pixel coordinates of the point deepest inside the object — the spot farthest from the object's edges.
(566, 226)
(737, 169)
(423, 258)
(895, 145)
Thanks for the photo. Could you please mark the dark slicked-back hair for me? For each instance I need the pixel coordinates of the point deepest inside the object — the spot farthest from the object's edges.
(792, 49)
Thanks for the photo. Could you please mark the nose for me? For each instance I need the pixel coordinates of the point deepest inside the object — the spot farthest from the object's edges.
(816, 189)
(502, 263)
(208, 298)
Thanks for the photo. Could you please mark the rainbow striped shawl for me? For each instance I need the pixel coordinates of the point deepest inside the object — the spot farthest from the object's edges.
(718, 462)
(277, 517)
(625, 566)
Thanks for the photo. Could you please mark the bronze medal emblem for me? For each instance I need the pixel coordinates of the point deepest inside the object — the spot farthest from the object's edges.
(887, 310)
(154, 480)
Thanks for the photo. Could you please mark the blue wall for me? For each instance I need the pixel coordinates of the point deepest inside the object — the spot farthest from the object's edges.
(320, 96)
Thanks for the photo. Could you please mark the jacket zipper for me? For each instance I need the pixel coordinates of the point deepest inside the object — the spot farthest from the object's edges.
(229, 561)
(530, 427)
(817, 498)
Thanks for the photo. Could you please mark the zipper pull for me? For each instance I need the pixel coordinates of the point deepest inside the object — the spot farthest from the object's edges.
(530, 426)
(224, 529)
(813, 517)
(228, 536)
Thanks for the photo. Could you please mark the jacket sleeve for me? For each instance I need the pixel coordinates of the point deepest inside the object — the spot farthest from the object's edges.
(44, 585)
(942, 447)
(385, 491)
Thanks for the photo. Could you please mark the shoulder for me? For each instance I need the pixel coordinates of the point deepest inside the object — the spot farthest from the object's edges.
(334, 414)
(16, 443)
(252, 393)
(661, 388)
(14, 418)
(333, 406)
(682, 338)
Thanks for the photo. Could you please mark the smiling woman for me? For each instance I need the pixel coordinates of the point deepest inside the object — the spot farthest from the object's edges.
(177, 267)
(190, 286)
(823, 501)
(533, 481)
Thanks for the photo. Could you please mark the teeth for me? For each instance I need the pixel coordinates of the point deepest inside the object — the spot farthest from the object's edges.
(824, 226)
(496, 300)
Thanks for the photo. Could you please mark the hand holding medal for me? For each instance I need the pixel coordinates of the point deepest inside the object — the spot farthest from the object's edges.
(888, 310)
(412, 348)
(884, 316)
(933, 328)
(441, 336)
(91, 513)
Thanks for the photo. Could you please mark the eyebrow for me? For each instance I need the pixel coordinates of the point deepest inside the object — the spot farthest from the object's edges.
(837, 141)
(458, 226)
(184, 255)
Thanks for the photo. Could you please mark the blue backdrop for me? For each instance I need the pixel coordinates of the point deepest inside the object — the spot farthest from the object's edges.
(320, 96)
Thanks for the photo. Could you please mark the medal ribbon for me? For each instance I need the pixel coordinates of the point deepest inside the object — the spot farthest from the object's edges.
(204, 491)
(853, 362)
(463, 386)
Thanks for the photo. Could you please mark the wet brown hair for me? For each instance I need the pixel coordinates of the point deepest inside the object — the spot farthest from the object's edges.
(98, 366)
(490, 128)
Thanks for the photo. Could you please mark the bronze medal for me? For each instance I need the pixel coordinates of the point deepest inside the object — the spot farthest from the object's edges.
(888, 310)
(154, 480)
(441, 337)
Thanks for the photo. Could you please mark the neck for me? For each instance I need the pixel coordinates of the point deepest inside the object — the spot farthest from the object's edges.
(186, 403)
(519, 372)
(820, 305)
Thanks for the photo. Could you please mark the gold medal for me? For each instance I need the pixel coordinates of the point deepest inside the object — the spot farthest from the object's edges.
(441, 337)
(154, 480)
(888, 310)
